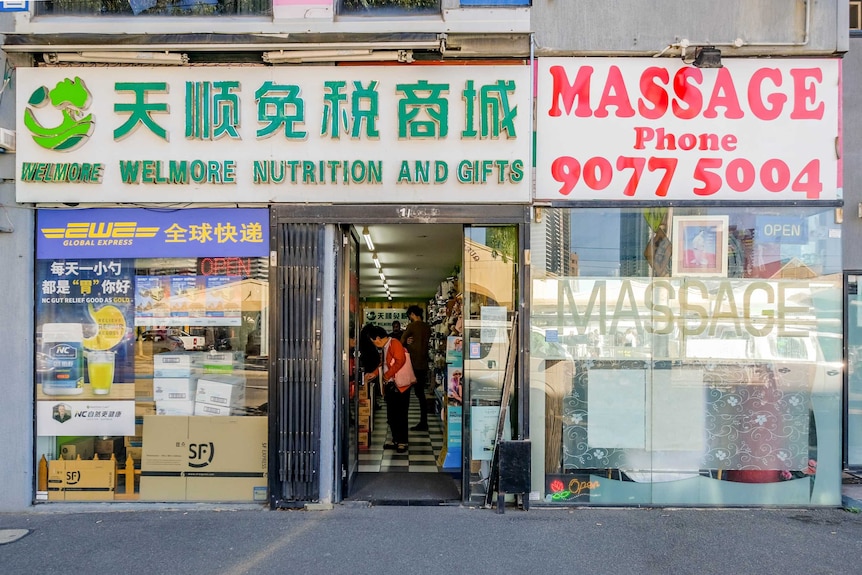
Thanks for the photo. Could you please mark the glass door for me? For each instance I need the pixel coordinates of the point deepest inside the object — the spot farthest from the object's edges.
(490, 298)
(853, 451)
(350, 323)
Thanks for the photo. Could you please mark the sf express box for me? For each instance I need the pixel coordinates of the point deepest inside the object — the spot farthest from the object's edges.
(204, 458)
(174, 389)
(223, 390)
(81, 480)
(176, 364)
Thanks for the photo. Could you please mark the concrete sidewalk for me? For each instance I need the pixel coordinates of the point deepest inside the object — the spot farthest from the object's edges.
(353, 539)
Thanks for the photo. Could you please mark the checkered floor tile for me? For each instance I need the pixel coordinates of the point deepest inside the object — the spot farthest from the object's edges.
(424, 446)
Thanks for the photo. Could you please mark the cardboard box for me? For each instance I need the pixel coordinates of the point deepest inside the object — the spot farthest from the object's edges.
(144, 389)
(80, 446)
(144, 408)
(109, 445)
(210, 409)
(164, 458)
(173, 389)
(223, 390)
(364, 411)
(81, 480)
(176, 364)
(222, 361)
(204, 459)
(170, 407)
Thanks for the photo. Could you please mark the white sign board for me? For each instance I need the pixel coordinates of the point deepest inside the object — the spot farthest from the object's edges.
(63, 417)
(379, 134)
(648, 129)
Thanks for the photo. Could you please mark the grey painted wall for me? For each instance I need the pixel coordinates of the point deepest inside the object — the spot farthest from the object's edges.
(16, 341)
(851, 230)
(16, 338)
(636, 27)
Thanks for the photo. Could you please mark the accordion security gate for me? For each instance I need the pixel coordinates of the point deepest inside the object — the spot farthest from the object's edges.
(296, 393)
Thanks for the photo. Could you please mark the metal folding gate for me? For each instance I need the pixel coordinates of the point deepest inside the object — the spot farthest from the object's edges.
(296, 394)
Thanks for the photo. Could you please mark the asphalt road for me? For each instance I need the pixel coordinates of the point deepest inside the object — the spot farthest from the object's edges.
(352, 539)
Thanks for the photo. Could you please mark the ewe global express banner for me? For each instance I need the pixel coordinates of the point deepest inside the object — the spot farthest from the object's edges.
(657, 129)
(392, 134)
(140, 233)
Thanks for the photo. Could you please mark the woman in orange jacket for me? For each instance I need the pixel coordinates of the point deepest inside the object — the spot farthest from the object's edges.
(397, 400)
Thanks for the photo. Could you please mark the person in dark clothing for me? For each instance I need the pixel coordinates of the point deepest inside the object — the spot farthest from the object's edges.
(369, 358)
(396, 330)
(415, 338)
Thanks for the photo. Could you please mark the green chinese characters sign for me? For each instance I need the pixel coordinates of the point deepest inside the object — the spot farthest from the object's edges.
(393, 134)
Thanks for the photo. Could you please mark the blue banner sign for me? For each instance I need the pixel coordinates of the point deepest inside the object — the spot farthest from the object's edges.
(137, 233)
(781, 230)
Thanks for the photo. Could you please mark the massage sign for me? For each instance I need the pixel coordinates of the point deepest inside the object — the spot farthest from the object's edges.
(658, 129)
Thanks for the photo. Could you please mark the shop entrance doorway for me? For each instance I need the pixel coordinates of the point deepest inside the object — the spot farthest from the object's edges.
(406, 274)
(317, 390)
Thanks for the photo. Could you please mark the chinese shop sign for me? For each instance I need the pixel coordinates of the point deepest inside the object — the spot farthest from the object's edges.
(648, 129)
(359, 134)
(216, 234)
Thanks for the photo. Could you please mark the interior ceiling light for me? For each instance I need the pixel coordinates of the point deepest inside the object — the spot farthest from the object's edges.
(382, 277)
(376, 260)
(367, 237)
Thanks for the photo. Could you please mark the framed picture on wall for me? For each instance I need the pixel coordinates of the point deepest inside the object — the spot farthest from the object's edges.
(700, 245)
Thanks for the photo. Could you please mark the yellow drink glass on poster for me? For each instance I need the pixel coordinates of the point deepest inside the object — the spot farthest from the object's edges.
(100, 369)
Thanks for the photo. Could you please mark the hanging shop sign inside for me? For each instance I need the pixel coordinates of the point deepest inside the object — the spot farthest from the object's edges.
(647, 129)
(310, 134)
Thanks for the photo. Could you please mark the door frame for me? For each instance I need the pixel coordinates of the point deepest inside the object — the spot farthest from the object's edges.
(348, 214)
(348, 467)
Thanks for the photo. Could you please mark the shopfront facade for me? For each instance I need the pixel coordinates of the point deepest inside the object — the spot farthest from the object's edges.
(193, 238)
(685, 335)
(676, 274)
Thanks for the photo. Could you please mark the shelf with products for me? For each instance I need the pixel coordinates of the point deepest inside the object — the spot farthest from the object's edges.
(446, 321)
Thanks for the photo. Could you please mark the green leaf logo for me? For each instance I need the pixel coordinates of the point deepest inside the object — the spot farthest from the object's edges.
(71, 98)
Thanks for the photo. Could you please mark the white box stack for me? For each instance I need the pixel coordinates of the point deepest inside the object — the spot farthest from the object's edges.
(175, 382)
(219, 394)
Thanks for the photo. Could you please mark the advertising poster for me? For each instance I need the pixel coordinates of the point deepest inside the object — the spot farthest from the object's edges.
(85, 339)
(222, 300)
(493, 324)
(184, 297)
(455, 350)
(483, 429)
(454, 384)
(453, 437)
(152, 300)
(84, 307)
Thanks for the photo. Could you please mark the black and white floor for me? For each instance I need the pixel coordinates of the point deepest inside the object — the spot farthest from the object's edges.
(424, 446)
